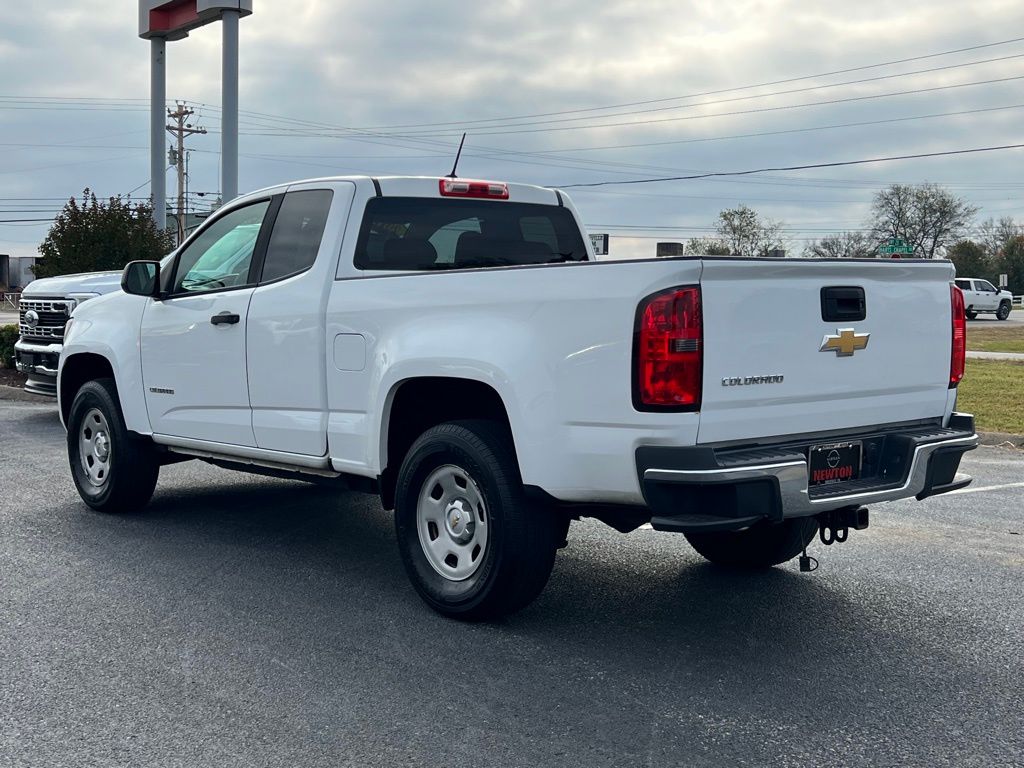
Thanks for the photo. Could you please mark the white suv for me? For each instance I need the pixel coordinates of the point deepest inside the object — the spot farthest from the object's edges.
(981, 296)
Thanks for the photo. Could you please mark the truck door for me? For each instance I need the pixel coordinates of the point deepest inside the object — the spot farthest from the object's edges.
(193, 340)
(287, 348)
(987, 296)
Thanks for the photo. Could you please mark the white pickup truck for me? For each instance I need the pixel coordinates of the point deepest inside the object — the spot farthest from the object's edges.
(43, 310)
(452, 346)
(981, 296)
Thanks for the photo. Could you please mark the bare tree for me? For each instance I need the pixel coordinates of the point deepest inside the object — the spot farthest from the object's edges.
(746, 234)
(846, 245)
(925, 216)
(994, 235)
(707, 246)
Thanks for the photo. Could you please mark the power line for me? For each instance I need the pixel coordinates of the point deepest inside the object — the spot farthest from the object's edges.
(796, 167)
(654, 121)
(486, 129)
(715, 92)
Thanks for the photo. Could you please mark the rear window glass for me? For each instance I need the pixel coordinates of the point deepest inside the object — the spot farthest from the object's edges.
(422, 233)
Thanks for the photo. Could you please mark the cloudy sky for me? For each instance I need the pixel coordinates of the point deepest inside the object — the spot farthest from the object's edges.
(553, 93)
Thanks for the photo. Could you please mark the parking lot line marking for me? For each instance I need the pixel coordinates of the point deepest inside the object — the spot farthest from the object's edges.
(986, 488)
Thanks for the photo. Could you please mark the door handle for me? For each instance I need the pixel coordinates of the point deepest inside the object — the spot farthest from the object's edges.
(225, 318)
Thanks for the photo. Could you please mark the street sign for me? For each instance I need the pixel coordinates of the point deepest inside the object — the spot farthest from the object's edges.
(600, 243)
(1003, 280)
(896, 247)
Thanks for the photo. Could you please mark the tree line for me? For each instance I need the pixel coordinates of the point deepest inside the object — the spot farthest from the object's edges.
(930, 219)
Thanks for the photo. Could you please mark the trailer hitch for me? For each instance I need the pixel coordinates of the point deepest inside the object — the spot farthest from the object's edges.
(834, 528)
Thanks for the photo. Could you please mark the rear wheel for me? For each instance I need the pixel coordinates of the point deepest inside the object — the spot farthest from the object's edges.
(760, 546)
(971, 314)
(472, 544)
(113, 471)
(1003, 312)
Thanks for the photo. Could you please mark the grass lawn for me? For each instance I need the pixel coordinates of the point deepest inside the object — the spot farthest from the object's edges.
(993, 390)
(995, 338)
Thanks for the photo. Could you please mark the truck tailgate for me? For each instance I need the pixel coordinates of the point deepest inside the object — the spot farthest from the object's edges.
(766, 374)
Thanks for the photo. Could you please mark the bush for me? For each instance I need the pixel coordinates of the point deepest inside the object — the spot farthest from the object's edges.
(8, 335)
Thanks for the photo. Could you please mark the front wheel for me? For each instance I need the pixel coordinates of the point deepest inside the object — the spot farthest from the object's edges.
(472, 544)
(762, 545)
(113, 471)
(1003, 312)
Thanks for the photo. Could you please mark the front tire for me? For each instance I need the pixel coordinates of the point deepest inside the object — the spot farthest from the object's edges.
(113, 471)
(473, 546)
(1003, 313)
(762, 545)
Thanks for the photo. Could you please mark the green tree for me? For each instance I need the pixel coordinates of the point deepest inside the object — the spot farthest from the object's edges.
(747, 234)
(1011, 262)
(91, 236)
(847, 245)
(971, 260)
(926, 216)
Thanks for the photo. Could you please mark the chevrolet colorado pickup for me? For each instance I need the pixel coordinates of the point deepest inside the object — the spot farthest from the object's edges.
(43, 310)
(452, 346)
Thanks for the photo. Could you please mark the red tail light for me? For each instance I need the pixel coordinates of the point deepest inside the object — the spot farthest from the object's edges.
(668, 353)
(959, 353)
(489, 190)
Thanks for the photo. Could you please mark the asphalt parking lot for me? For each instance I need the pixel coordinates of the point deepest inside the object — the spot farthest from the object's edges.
(251, 622)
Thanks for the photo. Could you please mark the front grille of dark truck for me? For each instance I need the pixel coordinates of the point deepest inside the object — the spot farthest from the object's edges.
(53, 316)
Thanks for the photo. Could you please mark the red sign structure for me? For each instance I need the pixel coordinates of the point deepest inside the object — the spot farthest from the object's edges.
(173, 20)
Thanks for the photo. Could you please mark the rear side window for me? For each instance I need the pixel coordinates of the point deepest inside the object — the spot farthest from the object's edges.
(413, 233)
(298, 230)
(963, 285)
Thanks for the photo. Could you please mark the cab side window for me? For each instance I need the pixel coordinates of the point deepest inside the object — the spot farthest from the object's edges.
(985, 285)
(963, 285)
(298, 230)
(221, 255)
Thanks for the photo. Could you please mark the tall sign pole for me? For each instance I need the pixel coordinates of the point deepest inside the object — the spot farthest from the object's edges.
(161, 21)
(158, 97)
(229, 107)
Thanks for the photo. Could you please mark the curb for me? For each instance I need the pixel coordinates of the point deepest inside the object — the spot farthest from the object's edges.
(1002, 440)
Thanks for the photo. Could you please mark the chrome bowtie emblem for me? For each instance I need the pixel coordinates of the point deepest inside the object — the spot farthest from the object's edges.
(31, 318)
(845, 342)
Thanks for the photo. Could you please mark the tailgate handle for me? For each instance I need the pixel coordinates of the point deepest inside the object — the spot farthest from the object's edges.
(840, 304)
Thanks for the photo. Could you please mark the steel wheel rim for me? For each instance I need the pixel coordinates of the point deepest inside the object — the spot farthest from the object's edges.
(452, 522)
(95, 447)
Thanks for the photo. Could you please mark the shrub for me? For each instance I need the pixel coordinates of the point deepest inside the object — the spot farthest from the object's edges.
(8, 335)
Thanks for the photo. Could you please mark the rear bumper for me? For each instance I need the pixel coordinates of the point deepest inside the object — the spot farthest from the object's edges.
(40, 362)
(708, 488)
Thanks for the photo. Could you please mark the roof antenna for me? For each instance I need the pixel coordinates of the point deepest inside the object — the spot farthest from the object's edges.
(457, 156)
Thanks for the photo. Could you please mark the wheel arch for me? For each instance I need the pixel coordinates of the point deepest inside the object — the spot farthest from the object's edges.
(416, 404)
(76, 370)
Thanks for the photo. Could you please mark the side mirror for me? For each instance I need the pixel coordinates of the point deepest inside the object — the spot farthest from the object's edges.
(141, 278)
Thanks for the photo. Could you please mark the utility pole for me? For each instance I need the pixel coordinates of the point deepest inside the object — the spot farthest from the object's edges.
(180, 129)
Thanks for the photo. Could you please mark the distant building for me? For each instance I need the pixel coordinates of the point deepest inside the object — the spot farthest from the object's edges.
(16, 271)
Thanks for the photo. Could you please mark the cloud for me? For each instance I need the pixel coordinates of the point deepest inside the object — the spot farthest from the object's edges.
(317, 67)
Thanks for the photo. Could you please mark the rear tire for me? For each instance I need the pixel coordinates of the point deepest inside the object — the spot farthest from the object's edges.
(113, 471)
(473, 546)
(971, 315)
(762, 545)
(1003, 313)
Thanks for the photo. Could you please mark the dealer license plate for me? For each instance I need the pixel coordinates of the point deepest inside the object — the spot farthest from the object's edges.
(834, 463)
